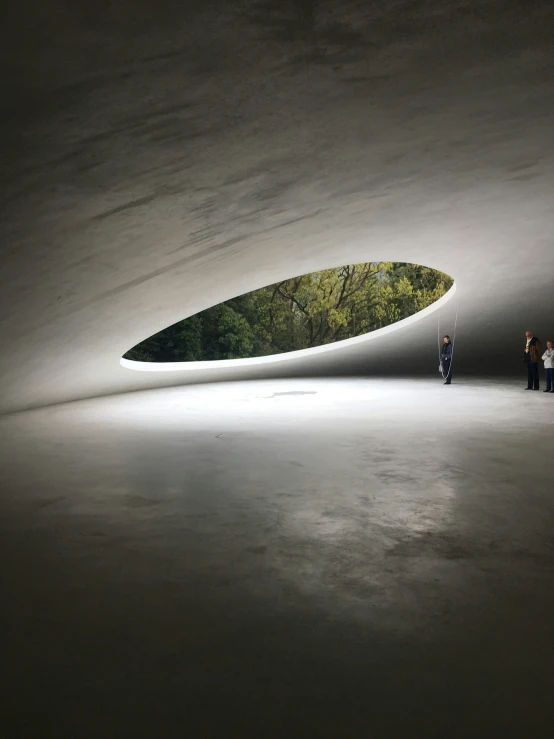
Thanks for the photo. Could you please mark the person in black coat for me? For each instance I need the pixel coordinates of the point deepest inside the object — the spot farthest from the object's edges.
(446, 360)
(532, 356)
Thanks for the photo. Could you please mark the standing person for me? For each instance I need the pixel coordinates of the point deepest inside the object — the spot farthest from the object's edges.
(532, 357)
(548, 357)
(446, 360)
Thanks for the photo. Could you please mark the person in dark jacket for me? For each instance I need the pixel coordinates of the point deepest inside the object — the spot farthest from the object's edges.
(446, 360)
(532, 357)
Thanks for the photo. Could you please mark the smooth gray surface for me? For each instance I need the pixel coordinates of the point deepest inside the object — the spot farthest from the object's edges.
(159, 158)
(330, 558)
(302, 557)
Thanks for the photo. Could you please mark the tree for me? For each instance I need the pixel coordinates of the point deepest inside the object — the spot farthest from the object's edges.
(314, 309)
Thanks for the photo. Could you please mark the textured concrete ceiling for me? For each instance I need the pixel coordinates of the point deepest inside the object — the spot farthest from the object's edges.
(158, 160)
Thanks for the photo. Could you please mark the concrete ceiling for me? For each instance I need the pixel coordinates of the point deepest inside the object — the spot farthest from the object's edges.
(158, 160)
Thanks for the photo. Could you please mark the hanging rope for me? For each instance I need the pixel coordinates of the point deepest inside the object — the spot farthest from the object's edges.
(440, 345)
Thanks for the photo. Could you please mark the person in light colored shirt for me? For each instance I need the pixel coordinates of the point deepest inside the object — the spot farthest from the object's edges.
(548, 357)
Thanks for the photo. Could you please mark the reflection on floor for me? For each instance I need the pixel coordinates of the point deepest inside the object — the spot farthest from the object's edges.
(306, 558)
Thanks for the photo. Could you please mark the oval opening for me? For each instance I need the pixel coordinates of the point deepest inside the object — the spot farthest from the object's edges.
(301, 315)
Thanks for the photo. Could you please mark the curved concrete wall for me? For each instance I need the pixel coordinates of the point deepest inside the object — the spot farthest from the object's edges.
(159, 161)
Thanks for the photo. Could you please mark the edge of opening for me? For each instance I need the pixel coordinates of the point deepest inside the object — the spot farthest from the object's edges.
(285, 356)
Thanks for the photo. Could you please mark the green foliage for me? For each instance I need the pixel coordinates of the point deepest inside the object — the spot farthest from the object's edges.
(314, 309)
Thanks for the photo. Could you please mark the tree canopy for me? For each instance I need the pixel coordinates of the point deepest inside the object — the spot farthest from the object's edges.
(307, 311)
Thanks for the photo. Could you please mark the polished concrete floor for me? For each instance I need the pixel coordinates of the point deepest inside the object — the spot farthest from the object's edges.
(314, 558)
